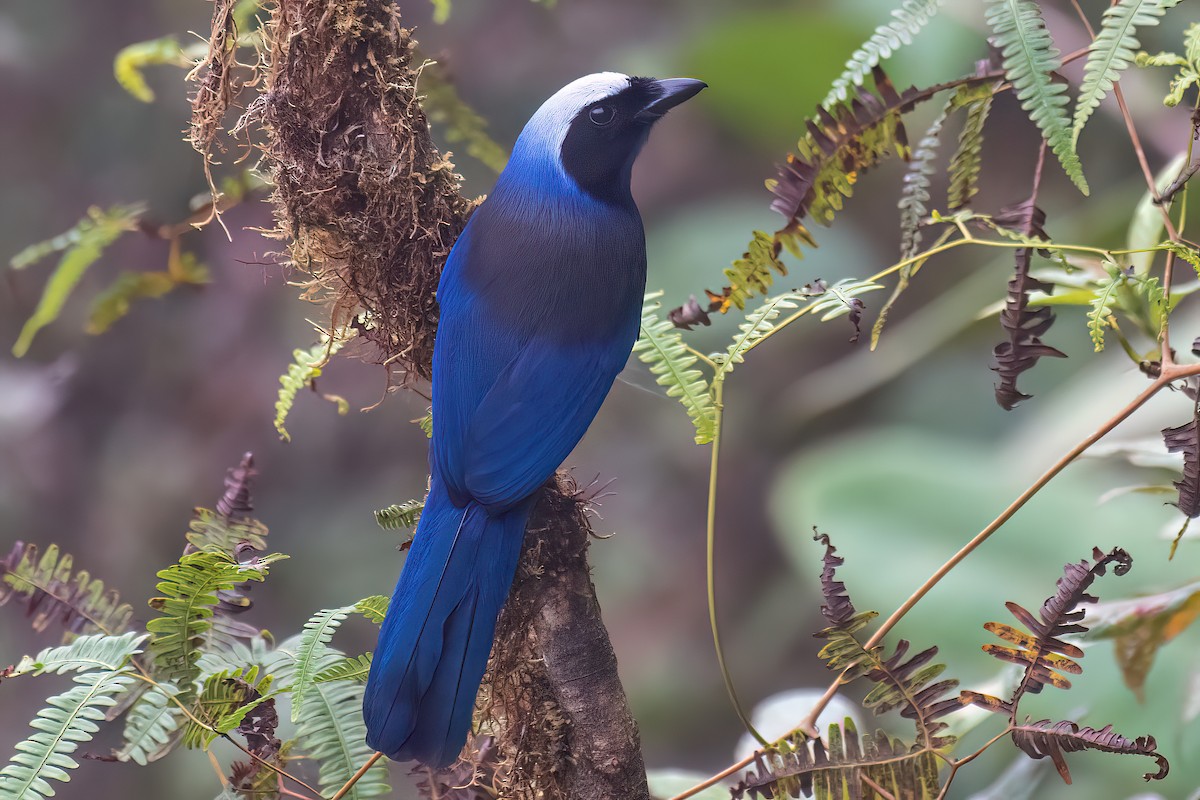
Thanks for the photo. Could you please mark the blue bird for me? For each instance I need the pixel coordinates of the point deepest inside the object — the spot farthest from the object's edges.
(540, 306)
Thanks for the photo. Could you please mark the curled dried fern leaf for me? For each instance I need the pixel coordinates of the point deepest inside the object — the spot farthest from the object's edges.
(1186, 439)
(1053, 739)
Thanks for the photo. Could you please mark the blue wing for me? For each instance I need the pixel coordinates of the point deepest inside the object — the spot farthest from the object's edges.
(525, 356)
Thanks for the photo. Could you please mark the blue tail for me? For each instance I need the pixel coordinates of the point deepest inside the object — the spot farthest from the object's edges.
(434, 645)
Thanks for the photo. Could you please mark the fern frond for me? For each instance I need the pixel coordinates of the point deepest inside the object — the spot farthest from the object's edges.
(151, 726)
(68, 720)
(349, 668)
(190, 590)
(798, 767)
(908, 21)
(661, 347)
(753, 273)
(212, 532)
(305, 368)
(914, 195)
(373, 608)
(446, 108)
(1053, 739)
(1041, 649)
(84, 654)
(332, 731)
(758, 324)
(1112, 51)
(82, 246)
(53, 591)
(313, 647)
(1102, 303)
(1030, 59)
(224, 701)
(400, 515)
(841, 144)
(1186, 439)
(132, 59)
(899, 684)
(967, 161)
(114, 302)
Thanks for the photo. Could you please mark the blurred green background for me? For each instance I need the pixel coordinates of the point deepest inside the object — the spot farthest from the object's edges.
(106, 443)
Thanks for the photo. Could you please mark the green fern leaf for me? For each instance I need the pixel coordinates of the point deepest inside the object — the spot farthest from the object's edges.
(400, 515)
(754, 272)
(132, 59)
(82, 246)
(968, 158)
(84, 654)
(189, 594)
(462, 125)
(1112, 52)
(914, 195)
(305, 367)
(1102, 302)
(151, 725)
(661, 347)
(910, 18)
(350, 668)
(223, 702)
(373, 608)
(331, 730)
(55, 592)
(68, 720)
(1030, 58)
(314, 645)
(215, 533)
(758, 324)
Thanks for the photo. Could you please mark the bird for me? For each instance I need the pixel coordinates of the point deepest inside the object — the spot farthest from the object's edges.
(539, 308)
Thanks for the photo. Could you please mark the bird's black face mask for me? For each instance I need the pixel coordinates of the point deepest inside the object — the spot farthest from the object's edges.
(605, 137)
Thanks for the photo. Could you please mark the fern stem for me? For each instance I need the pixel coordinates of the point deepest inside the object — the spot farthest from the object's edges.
(711, 538)
(342, 792)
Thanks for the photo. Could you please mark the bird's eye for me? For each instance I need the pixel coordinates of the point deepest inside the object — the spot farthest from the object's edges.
(602, 115)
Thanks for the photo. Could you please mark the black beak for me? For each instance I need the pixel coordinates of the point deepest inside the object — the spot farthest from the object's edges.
(672, 92)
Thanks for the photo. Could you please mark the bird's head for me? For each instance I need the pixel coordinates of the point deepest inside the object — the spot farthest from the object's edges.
(592, 129)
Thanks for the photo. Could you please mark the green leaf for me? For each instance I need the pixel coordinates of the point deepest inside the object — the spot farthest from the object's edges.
(910, 18)
(82, 245)
(114, 302)
(1102, 302)
(400, 515)
(1112, 51)
(224, 701)
(967, 161)
(1030, 58)
(331, 730)
(84, 654)
(313, 647)
(306, 367)
(758, 324)
(54, 591)
(132, 59)
(462, 125)
(661, 347)
(68, 720)
(441, 11)
(373, 608)
(189, 594)
(350, 668)
(150, 726)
